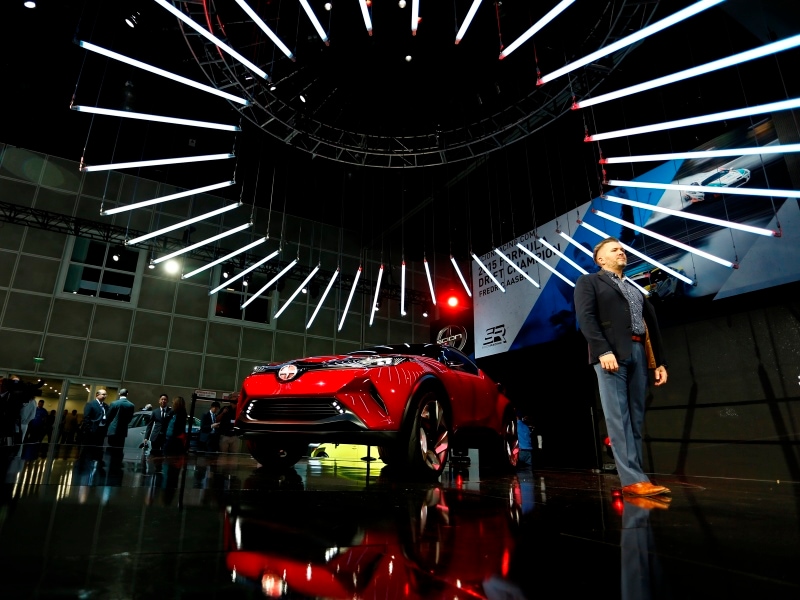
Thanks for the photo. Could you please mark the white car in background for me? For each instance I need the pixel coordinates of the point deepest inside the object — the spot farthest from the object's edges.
(138, 427)
(721, 178)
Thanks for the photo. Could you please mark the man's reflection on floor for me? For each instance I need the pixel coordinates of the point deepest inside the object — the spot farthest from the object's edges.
(641, 573)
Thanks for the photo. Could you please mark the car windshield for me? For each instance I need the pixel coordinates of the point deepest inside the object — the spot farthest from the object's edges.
(445, 354)
(715, 177)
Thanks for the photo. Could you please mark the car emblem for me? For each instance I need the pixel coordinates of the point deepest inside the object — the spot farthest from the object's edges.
(287, 372)
(453, 335)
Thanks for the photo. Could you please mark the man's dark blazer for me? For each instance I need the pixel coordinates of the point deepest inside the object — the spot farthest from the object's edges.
(94, 414)
(605, 319)
(158, 425)
(120, 413)
(206, 431)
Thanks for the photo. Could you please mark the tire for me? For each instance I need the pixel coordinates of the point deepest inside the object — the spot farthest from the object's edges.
(274, 455)
(503, 453)
(428, 441)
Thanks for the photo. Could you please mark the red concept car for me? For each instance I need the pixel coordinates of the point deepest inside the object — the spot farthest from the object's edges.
(413, 401)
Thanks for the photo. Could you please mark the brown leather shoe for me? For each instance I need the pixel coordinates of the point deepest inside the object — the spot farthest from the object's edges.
(644, 488)
(650, 503)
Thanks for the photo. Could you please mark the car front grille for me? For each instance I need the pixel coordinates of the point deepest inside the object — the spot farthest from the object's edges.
(303, 410)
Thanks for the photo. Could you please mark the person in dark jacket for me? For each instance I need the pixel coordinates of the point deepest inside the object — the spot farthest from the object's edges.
(176, 429)
(120, 413)
(156, 432)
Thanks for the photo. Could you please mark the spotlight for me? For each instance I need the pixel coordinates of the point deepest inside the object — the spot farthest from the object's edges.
(452, 301)
(115, 257)
(172, 266)
(29, 4)
(328, 6)
(302, 98)
(244, 283)
(424, 312)
(304, 290)
(402, 4)
(272, 88)
(151, 265)
(408, 58)
(131, 21)
(225, 274)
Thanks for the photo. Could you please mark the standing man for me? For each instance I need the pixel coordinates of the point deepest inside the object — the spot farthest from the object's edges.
(95, 423)
(120, 414)
(156, 432)
(616, 319)
(209, 429)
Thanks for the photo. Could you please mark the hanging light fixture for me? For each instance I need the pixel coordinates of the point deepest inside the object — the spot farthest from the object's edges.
(160, 199)
(375, 299)
(249, 269)
(222, 259)
(460, 276)
(212, 38)
(545, 265)
(156, 71)
(202, 217)
(516, 268)
(403, 289)
(285, 270)
(723, 152)
(641, 255)
(557, 252)
(579, 246)
(468, 20)
(707, 189)
(677, 17)
(350, 298)
(716, 65)
(315, 22)
(154, 163)
(125, 114)
(430, 281)
(693, 216)
(666, 240)
(324, 295)
(414, 16)
(214, 238)
(721, 116)
(265, 28)
(365, 14)
(560, 7)
(297, 291)
(488, 272)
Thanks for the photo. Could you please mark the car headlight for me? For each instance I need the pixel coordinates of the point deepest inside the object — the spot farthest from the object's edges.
(372, 361)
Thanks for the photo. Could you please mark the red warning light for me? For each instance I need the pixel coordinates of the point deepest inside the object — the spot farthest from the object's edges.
(452, 301)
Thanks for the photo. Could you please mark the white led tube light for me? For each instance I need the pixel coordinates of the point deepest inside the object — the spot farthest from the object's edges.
(375, 299)
(467, 20)
(324, 295)
(644, 257)
(297, 291)
(315, 22)
(125, 114)
(557, 252)
(721, 116)
(488, 272)
(265, 28)
(365, 14)
(350, 298)
(577, 245)
(461, 277)
(722, 63)
(518, 270)
(160, 199)
(285, 270)
(200, 244)
(222, 259)
(560, 7)
(403, 289)
(666, 240)
(692, 216)
(154, 163)
(238, 276)
(414, 16)
(156, 71)
(544, 264)
(707, 189)
(636, 285)
(207, 215)
(430, 281)
(677, 17)
(212, 38)
(734, 152)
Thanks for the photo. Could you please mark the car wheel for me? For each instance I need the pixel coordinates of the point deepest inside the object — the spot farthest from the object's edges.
(275, 455)
(429, 436)
(510, 440)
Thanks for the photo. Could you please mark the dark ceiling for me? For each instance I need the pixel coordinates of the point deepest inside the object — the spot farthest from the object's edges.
(365, 84)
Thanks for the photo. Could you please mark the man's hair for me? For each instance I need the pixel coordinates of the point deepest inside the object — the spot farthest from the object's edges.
(163, 396)
(608, 240)
(215, 403)
(123, 392)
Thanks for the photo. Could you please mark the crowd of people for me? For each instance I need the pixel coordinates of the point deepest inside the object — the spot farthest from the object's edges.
(26, 424)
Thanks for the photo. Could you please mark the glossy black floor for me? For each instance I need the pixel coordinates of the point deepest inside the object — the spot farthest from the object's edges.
(218, 526)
